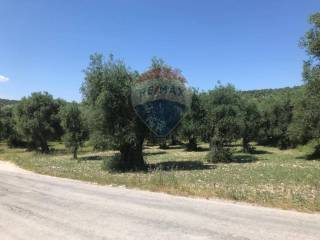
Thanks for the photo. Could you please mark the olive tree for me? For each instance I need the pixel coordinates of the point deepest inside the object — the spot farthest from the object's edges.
(249, 125)
(106, 91)
(193, 123)
(224, 116)
(37, 120)
(307, 115)
(74, 127)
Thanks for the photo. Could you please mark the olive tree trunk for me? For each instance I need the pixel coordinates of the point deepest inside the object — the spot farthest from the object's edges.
(132, 156)
(44, 147)
(245, 145)
(192, 144)
(75, 152)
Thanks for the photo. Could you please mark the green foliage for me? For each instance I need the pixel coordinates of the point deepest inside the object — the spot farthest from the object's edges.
(276, 116)
(250, 123)
(159, 69)
(262, 95)
(37, 120)
(75, 131)
(193, 124)
(224, 114)
(218, 151)
(311, 40)
(299, 131)
(277, 108)
(4, 102)
(6, 122)
(306, 120)
(106, 91)
(8, 130)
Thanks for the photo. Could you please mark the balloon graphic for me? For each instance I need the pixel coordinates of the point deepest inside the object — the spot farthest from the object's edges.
(160, 103)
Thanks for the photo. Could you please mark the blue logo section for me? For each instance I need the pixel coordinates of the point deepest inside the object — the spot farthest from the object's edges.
(160, 103)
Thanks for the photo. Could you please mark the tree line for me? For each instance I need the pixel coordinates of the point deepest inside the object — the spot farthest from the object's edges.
(106, 119)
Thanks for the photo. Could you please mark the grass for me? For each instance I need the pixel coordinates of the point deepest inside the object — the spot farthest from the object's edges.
(270, 177)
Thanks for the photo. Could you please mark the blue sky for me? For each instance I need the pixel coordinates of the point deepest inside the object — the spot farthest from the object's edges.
(45, 45)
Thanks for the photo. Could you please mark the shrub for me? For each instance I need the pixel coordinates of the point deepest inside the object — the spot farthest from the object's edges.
(116, 164)
(15, 141)
(219, 154)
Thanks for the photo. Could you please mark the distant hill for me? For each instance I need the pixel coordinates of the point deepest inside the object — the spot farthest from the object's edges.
(7, 102)
(258, 94)
(266, 93)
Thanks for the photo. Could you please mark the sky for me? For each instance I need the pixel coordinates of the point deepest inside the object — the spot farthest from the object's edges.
(45, 45)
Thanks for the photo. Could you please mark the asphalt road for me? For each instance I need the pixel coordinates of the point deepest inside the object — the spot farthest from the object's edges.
(34, 206)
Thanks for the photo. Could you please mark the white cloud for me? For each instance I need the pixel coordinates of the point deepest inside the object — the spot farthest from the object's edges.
(3, 79)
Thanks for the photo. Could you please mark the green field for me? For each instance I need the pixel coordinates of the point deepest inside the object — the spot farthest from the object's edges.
(270, 177)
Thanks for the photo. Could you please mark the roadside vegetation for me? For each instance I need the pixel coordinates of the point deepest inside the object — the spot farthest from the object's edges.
(210, 154)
